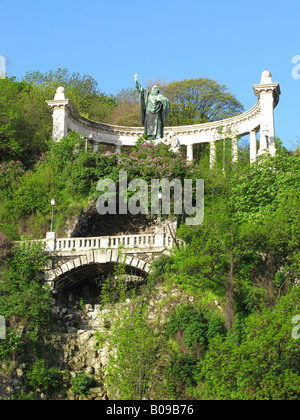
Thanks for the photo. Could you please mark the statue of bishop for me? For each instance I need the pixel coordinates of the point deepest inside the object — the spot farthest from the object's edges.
(154, 111)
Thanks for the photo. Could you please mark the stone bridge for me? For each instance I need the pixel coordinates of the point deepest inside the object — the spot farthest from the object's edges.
(72, 260)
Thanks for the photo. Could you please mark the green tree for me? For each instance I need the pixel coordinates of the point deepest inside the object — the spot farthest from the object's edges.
(83, 91)
(248, 251)
(10, 174)
(217, 255)
(258, 188)
(5, 248)
(25, 118)
(60, 173)
(193, 101)
(24, 299)
(25, 122)
(127, 110)
(134, 355)
(266, 196)
(196, 101)
(265, 366)
(135, 347)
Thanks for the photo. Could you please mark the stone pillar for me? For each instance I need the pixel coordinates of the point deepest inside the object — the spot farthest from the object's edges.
(104, 242)
(159, 236)
(60, 129)
(267, 128)
(95, 146)
(268, 94)
(58, 106)
(212, 155)
(262, 144)
(118, 149)
(51, 241)
(253, 146)
(235, 149)
(189, 152)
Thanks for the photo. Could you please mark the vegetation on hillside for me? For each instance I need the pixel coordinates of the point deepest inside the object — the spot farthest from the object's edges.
(240, 269)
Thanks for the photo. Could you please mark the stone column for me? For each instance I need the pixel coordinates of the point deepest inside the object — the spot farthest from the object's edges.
(235, 149)
(212, 155)
(58, 106)
(51, 241)
(60, 128)
(253, 146)
(104, 242)
(267, 127)
(268, 94)
(95, 146)
(189, 152)
(118, 149)
(159, 236)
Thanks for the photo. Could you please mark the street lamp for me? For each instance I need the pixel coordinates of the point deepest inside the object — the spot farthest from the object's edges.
(52, 204)
(159, 203)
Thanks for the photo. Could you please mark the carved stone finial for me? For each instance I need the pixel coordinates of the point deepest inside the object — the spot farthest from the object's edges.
(60, 94)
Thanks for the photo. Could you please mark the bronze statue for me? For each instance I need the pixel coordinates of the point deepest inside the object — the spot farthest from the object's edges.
(154, 111)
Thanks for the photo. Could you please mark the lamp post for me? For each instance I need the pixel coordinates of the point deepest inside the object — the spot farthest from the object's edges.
(159, 203)
(52, 204)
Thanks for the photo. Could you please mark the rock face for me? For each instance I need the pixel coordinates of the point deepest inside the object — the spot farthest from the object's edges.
(71, 346)
(90, 223)
(77, 314)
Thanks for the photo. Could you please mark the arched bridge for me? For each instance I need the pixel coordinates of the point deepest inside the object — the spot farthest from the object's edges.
(76, 259)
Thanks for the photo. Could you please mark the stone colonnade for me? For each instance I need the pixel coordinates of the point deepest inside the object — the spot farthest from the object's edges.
(259, 118)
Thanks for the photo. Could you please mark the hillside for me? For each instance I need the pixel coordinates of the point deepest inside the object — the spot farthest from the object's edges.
(216, 319)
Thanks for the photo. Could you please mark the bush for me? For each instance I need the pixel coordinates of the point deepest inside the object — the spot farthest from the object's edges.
(135, 354)
(191, 331)
(5, 247)
(155, 161)
(81, 384)
(25, 300)
(182, 372)
(192, 326)
(264, 365)
(10, 172)
(42, 378)
(82, 174)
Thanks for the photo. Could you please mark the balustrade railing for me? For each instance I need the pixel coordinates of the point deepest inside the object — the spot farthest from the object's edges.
(123, 241)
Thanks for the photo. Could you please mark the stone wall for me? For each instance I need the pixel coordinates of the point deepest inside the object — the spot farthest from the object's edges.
(90, 224)
(70, 347)
(77, 315)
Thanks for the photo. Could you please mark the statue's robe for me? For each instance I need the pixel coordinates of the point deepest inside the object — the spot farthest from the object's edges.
(154, 112)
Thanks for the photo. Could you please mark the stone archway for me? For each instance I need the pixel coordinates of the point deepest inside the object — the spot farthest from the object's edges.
(93, 264)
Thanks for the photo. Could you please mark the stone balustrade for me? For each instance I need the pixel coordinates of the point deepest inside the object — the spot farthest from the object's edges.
(140, 241)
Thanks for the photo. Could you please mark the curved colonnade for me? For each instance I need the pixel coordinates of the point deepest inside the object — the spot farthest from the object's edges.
(259, 118)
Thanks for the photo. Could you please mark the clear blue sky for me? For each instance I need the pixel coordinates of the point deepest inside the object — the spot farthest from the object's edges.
(230, 41)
